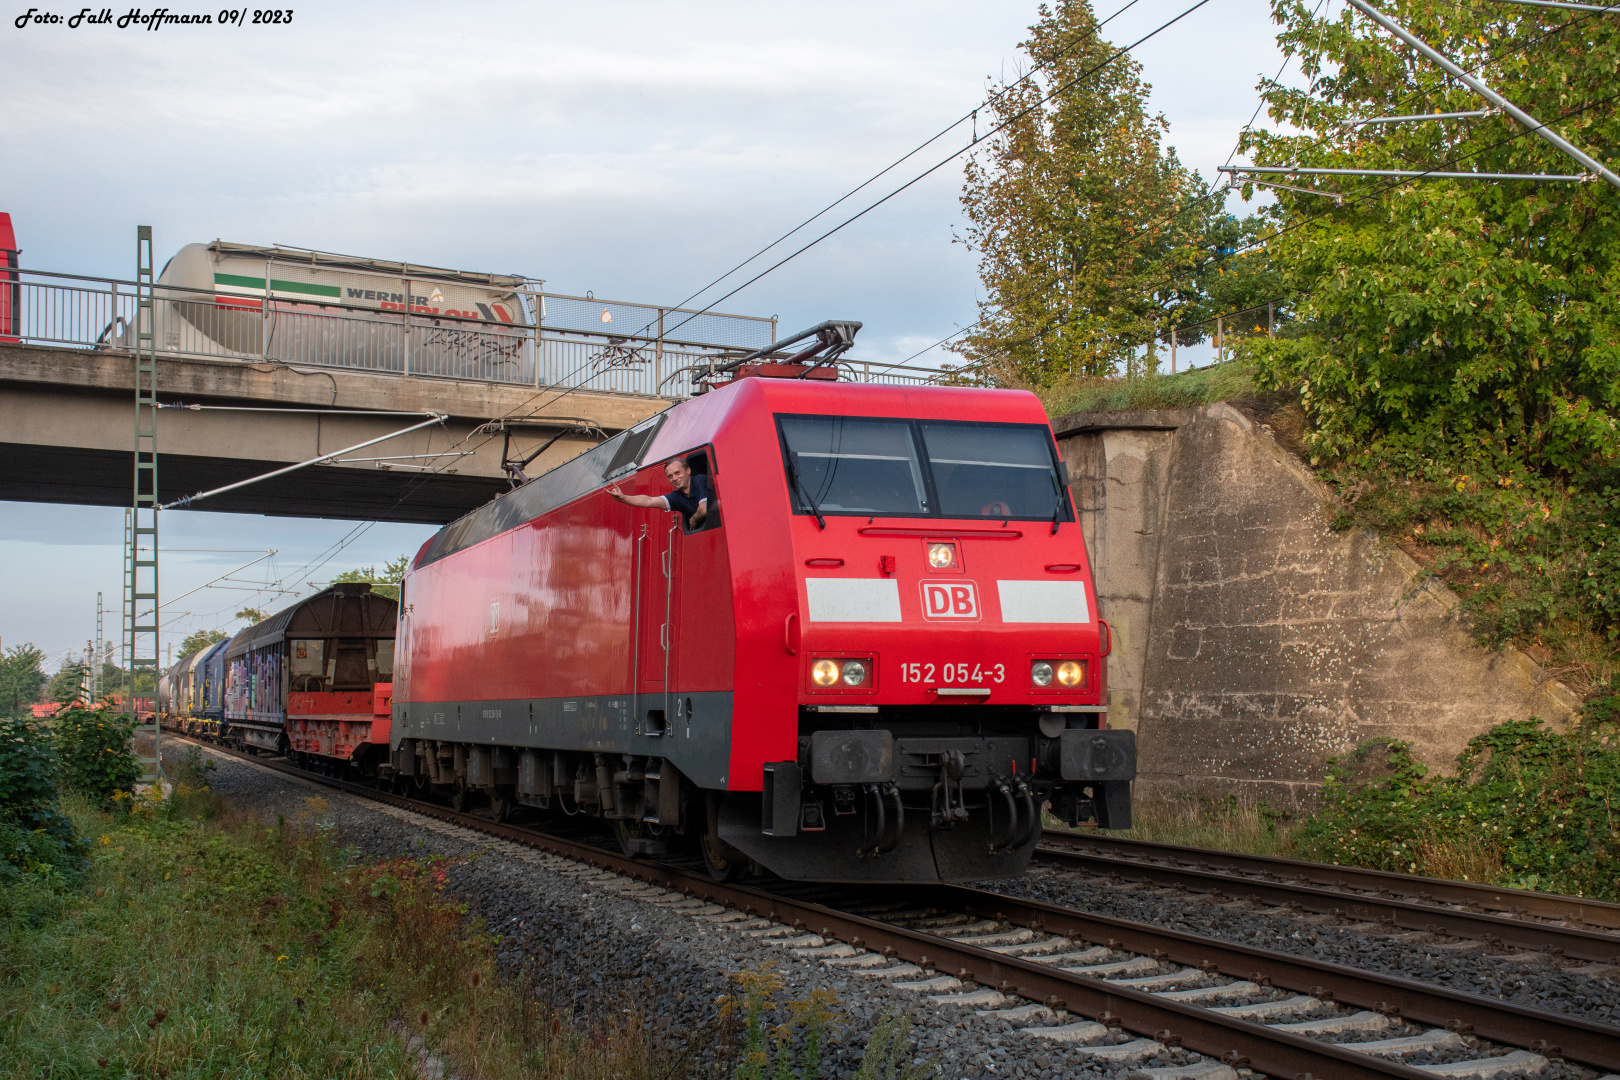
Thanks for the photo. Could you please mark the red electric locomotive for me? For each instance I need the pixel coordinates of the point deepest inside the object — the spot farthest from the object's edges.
(875, 657)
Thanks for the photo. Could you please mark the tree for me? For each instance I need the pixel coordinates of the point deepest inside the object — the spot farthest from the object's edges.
(384, 584)
(201, 639)
(1091, 234)
(65, 684)
(252, 615)
(1443, 318)
(21, 680)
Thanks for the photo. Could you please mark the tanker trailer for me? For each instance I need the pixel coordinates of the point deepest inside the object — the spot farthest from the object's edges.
(299, 306)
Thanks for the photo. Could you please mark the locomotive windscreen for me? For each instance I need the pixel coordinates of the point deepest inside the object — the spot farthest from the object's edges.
(921, 468)
(992, 469)
(847, 465)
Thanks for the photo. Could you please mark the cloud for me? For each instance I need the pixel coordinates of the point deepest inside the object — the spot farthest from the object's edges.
(636, 149)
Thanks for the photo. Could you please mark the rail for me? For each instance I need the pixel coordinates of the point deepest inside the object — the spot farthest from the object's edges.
(556, 341)
(1462, 909)
(1264, 1049)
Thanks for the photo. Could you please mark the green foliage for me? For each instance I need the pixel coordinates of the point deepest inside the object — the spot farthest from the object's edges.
(385, 583)
(1091, 233)
(21, 680)
(787, 1051)
(1527, 553)
(27, 772)
(200, 639)
(1437, 316)
(222, 948)
(193, 770)
(66, 683)
(97, 760)
(35, 837)
(1528, 808)
(887, 1051)
(252, 615)
(1200, 386)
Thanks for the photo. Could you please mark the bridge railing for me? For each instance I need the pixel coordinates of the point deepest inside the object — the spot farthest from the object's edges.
(655, 356)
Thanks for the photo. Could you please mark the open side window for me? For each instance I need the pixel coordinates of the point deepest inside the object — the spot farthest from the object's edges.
(699, 461)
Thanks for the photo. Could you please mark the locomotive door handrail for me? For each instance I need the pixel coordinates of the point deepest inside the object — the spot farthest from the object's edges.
(635, 637)
(668, 636)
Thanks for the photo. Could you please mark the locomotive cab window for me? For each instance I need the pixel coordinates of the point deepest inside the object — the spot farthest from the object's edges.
(993, 470)
(922, 468)
(852, 465)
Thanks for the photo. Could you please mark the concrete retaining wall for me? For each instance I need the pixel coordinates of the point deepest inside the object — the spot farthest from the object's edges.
(1253, 641)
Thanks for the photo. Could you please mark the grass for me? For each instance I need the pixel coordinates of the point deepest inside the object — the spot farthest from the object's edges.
(203, 942)
(1189, 821)
(1250, 828)
(1184, 390)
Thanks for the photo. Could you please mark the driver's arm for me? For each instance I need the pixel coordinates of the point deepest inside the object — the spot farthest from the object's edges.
(654, 502)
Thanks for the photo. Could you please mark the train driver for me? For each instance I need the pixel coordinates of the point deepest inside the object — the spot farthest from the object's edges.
(688, 495)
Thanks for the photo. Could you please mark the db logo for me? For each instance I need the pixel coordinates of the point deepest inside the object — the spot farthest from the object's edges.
(950, 600)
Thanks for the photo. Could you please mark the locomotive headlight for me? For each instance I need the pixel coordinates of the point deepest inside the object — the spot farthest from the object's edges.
(941, 556)
(1071, 673)
(854, 673)
(825, 672)
(1040, 673)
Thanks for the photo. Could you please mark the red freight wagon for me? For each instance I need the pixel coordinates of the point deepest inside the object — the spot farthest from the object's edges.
(875, 660)
(312, 680)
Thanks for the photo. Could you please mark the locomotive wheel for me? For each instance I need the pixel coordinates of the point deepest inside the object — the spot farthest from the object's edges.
(460, 799)
(627, 831)
(721, 866)
(500, 807)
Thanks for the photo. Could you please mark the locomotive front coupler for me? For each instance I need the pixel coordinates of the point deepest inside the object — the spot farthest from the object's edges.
(948, 803)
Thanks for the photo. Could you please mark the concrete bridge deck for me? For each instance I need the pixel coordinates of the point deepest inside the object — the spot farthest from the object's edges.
(67, 421)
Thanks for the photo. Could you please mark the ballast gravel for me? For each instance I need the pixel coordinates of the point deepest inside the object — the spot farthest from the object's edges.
(597, 946)
(596, 953)
(1589, 991)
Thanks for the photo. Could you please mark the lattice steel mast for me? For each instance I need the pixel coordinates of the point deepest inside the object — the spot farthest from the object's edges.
(141, 574)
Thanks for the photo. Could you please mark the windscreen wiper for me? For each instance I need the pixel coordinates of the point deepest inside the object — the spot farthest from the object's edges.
(793, 471)
(1057, 509)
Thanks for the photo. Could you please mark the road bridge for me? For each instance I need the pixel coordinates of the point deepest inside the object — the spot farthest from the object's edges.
(274, 364)
(66, 415)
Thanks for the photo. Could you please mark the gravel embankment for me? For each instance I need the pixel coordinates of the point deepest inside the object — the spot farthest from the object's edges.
(596, 953)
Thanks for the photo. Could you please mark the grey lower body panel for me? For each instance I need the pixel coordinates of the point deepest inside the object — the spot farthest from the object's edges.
(253, 733)
(959, 853)
(693, 734)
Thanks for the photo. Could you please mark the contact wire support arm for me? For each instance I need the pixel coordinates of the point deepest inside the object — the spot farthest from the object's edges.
(1541, 130)
(434, 418)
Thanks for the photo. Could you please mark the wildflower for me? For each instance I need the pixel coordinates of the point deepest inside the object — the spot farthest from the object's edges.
(279, 959)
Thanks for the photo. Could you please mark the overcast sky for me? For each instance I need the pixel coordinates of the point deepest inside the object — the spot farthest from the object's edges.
(633, 149)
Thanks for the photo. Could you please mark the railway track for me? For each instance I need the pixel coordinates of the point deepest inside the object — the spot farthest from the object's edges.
(1078, 980)
(1539, 922)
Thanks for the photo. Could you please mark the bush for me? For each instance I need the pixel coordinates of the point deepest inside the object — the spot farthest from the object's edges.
(27, 772)
(1528, 555)
(237, 947)
(97, 760)
(1529, 808)
(35, 837)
